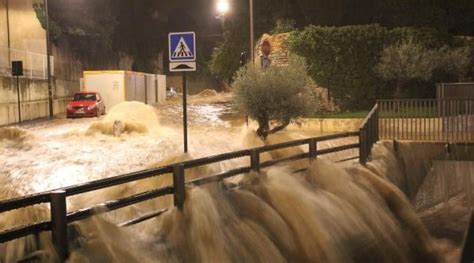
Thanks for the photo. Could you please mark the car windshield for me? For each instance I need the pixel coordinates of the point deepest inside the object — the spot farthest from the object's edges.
(84, 96)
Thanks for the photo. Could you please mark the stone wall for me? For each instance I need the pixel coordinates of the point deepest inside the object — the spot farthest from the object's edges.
(280, 55)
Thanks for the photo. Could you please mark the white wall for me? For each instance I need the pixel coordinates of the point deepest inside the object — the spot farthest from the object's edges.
(109, 84)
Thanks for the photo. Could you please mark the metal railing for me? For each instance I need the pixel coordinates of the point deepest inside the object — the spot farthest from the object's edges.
(57, 198)
(369, 134)
(450, 120)
(34, 64)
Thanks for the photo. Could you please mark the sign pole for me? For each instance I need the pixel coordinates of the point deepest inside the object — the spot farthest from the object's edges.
(182, 55)
(185, 113)
(18, 95)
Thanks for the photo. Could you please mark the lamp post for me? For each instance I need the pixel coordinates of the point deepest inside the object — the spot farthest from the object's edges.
(252, 51)
(8, 31)
(48, 61)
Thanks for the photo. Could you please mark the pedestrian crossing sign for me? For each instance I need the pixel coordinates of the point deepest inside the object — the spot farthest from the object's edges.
(182, 47)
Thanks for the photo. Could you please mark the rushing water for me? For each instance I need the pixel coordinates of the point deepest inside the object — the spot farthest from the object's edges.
(326, 214)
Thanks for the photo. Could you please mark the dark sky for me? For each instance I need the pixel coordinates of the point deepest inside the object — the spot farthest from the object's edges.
(197, 15)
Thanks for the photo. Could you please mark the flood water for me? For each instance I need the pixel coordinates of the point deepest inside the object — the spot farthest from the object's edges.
(328, 213)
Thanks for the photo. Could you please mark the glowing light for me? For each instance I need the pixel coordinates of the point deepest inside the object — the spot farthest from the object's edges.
(223, 6)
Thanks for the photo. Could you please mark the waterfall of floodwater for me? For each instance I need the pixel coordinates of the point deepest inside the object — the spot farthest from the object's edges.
(322, 215)
(327, 213)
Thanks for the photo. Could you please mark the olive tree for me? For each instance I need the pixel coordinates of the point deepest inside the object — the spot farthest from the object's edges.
(275, 96)
(406, 61)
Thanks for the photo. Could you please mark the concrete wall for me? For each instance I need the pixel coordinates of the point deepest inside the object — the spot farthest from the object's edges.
(3, 24)
(26, 32)
(324, 126)
(28, 43)
(34, 98)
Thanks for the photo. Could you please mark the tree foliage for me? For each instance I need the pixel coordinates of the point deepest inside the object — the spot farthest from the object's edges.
(226, 56)
(275, 95)
(409, 61)
(404, 62)
(284, 26)
(345, 59)
(447, 17)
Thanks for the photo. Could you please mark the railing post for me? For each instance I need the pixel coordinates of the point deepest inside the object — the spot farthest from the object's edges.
(377, 124)
(255, 161)
(313, 149)
(178, 186)
(467, 254)
(362, 146)
(59, 223)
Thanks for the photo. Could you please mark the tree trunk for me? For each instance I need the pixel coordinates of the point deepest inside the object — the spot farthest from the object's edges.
(398, 90)
(264, 128)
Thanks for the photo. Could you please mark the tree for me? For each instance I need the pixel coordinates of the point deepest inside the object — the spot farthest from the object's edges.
(404, 62)
(276, 95)
(225, 57)
(410, 61)
(453, 64)
(284, 26)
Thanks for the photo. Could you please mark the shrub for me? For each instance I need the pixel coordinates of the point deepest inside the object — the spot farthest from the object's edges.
(453, 64)
(342, 59)
(276, 95)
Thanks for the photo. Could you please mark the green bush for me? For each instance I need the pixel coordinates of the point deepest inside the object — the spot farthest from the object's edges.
(276, 95)
(344, 59)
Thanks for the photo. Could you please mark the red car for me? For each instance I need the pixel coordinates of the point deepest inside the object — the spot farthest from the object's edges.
(86, 104)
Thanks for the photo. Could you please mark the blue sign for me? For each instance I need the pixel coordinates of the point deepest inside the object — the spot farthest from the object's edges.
(182, 47)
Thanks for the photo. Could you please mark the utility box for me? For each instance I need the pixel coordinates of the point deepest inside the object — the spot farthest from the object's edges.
(117, 86)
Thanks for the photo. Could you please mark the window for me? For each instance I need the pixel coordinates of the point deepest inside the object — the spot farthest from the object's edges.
(85, 96)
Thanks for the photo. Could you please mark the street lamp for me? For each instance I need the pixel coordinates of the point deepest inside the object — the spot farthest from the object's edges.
(48, 60)
(223, 7)
(252, 51)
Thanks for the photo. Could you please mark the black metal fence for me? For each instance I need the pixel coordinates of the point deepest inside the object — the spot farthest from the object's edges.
(455, 91)
(369, 134)
(57, 198)
(450, 120)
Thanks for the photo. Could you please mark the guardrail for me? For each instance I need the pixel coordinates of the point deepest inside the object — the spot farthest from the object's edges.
(369, 134)
(450, 120)
(57, 198)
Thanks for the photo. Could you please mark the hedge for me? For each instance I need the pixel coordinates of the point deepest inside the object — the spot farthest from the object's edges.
(343, 59)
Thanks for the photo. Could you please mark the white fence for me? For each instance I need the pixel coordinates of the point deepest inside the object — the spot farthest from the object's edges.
(34, 64)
